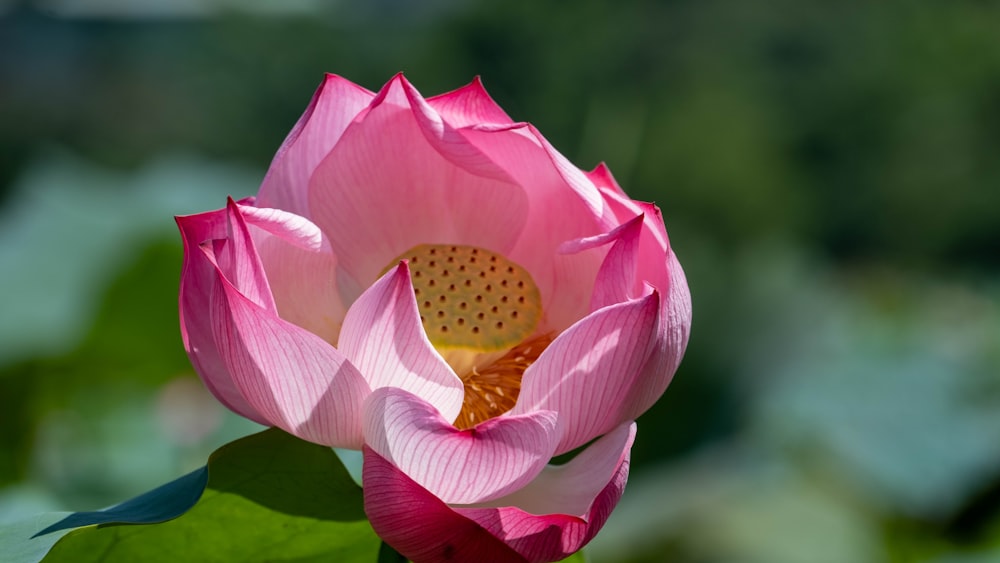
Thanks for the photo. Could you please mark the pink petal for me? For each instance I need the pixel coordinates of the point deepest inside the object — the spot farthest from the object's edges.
(571, 488)
(566, 283)
(384, 189)
(301, 270)
(295, 229)
(424, 529)
(297, 381)
(419, 525)
(673, 330)
(199, 282)
(447, 139)
(336, 103)
(468, 105)
(654, 246)
(384, 338)
(237, 259)
(601, 177)
(590, 373)
(565, 507)
(496, 457)
(657, 265)
(616, 280)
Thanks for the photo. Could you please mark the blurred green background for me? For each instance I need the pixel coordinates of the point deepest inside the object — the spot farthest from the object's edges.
(828, 172)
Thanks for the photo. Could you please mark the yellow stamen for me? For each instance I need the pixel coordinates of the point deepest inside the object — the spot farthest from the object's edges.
(492, 390)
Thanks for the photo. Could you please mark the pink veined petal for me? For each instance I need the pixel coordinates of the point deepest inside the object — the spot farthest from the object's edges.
(336, 103)
(589, 372)
(199, 280)
(654, 245)
(576, 179)
(616, 280)
(590, 488)
(285, 225)
(495, 458)
(297, 381)
(674, 330)
(526, 156)
(302, 286)
(446, 138)
(666, 275)
(300, 269)
(384, 189)
(602, 178)
(469, 105)
(237, 259)
(382, 335)
(571, 488)
(426, 530)
(566, 284)
(419, 525)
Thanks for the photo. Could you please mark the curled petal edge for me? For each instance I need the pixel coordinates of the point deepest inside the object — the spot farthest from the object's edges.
(425, 529)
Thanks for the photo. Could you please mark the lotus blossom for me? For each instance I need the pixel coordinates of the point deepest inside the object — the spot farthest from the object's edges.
(431, 282)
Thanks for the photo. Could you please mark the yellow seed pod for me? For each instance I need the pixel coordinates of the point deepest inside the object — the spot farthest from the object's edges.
(472, 298)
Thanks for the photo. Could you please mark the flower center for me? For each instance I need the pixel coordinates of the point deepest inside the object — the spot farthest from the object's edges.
(480, 310)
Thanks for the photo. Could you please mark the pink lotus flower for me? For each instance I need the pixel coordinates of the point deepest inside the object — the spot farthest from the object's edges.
(431, 282)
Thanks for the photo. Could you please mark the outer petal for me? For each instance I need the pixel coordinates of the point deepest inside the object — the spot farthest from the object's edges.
(336, 103)
(425, 529)
(384, 338)
(571, 488)
(237, 259)
(421, 526)
(468, 105)
(656, 264)
(673, 330)
(589, 374)
(495, 458)
(297, 381)
(384, 189)
(586, 490)
(198, 283)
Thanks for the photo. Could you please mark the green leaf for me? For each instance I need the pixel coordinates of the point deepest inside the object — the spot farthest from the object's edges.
(21, 542)
(159, 505)
(386, 554)
(578, 557)
(269, 497)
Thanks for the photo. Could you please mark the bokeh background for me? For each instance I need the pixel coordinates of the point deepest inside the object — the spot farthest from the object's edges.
(829, 173)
